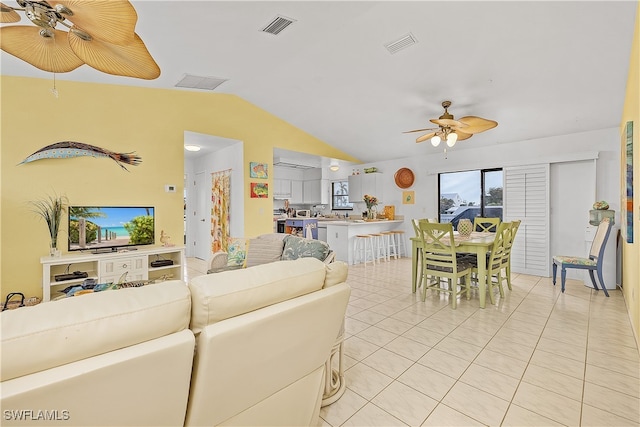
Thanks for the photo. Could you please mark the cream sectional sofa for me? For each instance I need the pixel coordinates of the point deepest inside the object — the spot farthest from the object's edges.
(243, 347)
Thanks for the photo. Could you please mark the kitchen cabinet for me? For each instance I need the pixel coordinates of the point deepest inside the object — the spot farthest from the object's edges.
(316, 191)
(282, 189)
(368, 183)
(297, 192)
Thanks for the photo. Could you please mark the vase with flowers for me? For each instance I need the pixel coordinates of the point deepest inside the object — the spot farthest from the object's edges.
(371, 202)
(50, 209)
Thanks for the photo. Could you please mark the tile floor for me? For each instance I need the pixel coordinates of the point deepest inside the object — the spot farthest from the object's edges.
(538, 358)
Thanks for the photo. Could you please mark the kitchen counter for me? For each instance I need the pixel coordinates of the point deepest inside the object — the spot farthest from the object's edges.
(341, 233)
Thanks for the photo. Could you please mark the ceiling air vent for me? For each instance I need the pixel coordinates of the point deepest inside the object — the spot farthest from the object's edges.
(278, 24)
(402, 43)
(199, 82)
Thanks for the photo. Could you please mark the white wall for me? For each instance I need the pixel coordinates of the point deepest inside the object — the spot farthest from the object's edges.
(605, 144)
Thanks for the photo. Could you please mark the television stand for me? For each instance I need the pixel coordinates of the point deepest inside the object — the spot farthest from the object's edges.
(110, 267)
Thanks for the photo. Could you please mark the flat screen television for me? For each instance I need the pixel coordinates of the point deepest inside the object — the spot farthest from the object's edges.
(108, 228)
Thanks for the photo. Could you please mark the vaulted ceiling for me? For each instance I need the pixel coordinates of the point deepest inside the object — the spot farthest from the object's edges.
(538, 68)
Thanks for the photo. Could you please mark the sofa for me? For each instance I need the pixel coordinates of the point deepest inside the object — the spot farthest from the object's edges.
(265, 248)
(243, 347)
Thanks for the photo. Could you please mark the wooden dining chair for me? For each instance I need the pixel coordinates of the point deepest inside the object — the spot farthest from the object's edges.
(485, 224)
(508, 245)
(592, 264)
(415, 222)
(494, 261)
(439, 261)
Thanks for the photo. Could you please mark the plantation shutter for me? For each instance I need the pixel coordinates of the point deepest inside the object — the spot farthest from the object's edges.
(526, 197)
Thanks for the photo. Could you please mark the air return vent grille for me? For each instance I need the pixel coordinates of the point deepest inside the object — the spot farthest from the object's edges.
(278, 24)
(402, 43)
(199, 82)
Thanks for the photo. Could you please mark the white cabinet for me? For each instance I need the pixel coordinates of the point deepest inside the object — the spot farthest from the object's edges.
(297, 192)
(112, 267)
(316, 191)
(368, 183)
(282, 189)
(355, 188)
(124, 269)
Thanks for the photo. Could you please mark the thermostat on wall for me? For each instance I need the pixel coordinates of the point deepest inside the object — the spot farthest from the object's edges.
(169, 188)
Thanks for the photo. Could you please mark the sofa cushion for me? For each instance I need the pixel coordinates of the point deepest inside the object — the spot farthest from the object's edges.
(236, 252)
(336, 273)
(262, 251)
(60, 332)
(215, 297)
(298, 247)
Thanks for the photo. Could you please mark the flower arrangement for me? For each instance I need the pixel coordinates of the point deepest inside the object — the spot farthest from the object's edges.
(370, 201)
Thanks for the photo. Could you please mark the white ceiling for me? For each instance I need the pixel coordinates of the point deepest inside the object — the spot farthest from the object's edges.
(538, 68)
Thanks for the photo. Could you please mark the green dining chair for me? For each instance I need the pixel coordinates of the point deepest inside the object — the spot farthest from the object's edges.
(494, 262)
(485, 224)
(415, 222)
(592, 264)
(508, 245)
(439, 261)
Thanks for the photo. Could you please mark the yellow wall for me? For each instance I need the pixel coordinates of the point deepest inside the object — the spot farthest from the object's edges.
(150, 122)
(631, 252)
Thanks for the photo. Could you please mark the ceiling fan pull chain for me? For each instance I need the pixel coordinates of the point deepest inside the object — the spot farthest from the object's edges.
(54, 91)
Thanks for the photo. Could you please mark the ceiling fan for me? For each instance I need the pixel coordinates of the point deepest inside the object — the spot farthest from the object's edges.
(101, 34)
(452, 130)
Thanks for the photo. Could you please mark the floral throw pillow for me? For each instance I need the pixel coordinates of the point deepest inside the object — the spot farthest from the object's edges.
(236, 252)
(297, 247)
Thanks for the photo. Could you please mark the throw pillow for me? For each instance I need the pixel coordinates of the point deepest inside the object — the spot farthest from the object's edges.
(298, 247)
(236, 251)
(262, 251)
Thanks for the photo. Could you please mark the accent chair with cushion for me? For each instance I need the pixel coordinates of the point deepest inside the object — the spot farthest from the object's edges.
(593, 263)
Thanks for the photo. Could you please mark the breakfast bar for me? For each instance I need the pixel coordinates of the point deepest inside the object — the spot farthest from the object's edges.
(341, 234)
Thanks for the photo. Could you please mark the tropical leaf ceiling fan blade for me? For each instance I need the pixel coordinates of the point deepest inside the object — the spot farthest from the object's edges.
(8, 15)
(448, 122)
(48, 53)
(113, 21)
(477, 124)
(420, 130)
(132, 60)
(463, 135)
(426, 137)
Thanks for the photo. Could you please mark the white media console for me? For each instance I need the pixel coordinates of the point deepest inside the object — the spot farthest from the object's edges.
(112, 267)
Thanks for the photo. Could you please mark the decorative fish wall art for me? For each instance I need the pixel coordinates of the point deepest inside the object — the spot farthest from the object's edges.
(68, 149)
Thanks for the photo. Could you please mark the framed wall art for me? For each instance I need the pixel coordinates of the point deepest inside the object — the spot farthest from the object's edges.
(258, 170)
(408, 197)
(259, 190)
(627, 205)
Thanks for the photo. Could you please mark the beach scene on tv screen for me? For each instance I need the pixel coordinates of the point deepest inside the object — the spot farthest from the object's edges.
(106, 227)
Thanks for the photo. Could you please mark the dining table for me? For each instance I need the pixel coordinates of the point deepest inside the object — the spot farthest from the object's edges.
(478, 243)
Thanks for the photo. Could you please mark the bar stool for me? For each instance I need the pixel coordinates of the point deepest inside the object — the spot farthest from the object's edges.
(400, 242)
(363, 248)
(379, 248)
(391, 245)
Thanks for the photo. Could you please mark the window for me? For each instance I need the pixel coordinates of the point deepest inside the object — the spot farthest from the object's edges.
(470, 194)
(340, 196)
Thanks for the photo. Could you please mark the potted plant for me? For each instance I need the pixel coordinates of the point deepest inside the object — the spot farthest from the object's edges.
(50, 210)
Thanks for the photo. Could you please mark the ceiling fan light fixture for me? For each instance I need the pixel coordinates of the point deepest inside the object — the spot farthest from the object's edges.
(452, 138)
(435, 141)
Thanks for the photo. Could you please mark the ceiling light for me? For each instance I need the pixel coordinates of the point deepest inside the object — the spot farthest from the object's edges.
(435, 141)
(451, 139)
(334, 166)
(190, 147)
